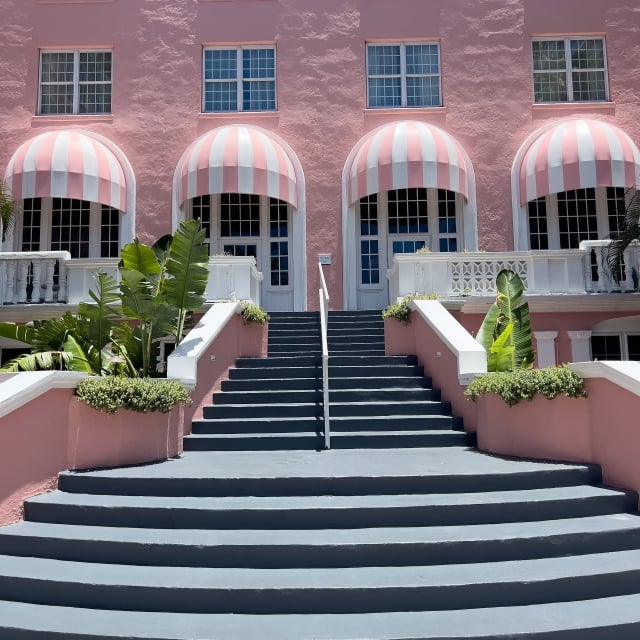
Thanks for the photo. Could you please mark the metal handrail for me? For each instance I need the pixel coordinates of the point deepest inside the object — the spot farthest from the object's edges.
(323, 294)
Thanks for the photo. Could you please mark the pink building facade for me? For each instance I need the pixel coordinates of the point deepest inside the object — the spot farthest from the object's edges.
(483, 135)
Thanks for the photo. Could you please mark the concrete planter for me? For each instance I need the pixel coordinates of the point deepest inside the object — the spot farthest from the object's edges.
(557, 429)
(98, 439)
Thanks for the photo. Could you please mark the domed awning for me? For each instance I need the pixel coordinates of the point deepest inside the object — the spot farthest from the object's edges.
(67, 164)
(237, 159)
(578, 154)
(407, 154)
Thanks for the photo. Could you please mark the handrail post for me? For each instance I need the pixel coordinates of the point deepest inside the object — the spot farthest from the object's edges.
(323, 295)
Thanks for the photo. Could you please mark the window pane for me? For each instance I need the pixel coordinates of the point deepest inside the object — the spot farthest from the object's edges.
(577, 217)
(70, 226)
(239, 215)
(369, 215)
(588, 86)
(605, 348)
(550, 87)
(31, 216)
(538, 235)
(57, 67)
(423, 92)
(422, 59)
(95, 98)
(587, 54)
(369, 262)
(259, 95)
(220, 96)
(109, 232)
(383, 60)
(95, 66)
(220, 64)
(385, 92)
(258, 63)
(548, 55)
(408, 211)
(633, 347)
(56, 98)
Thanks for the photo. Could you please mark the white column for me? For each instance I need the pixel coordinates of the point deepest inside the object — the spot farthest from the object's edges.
(580, 346)
(546, 348)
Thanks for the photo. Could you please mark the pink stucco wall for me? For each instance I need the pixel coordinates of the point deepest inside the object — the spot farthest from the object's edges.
(157, 48)
(602, 429)
(35, 447)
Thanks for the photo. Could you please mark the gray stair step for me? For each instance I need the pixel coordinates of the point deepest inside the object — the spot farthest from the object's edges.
(350, 360)
(269, 441)
(318, 591)
(389, 408)
(280, 349)
(326, 511)
(272, 384)
(313, 371)
(404, 384)
(613, 618)
(338, 472)
(285, 548)
(274, 410)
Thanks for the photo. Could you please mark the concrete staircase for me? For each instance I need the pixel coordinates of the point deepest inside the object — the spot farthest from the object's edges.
(401, 531)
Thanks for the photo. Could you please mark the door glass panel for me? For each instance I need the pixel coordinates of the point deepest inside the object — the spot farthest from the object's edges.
(239, 215)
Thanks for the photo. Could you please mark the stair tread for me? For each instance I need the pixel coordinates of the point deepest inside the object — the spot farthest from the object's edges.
(619, 615)
(265, 503)
(506, 533)
(405, 577)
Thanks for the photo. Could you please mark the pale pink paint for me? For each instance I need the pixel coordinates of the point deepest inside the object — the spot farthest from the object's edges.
(35, 445)
(486, 87)
(418, 338)
(601, 429)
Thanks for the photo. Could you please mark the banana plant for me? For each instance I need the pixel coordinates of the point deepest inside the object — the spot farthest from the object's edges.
(505, 332)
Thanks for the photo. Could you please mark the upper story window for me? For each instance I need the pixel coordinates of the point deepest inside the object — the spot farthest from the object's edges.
(403, 75)
(239, 79)
(75, 82)
(570, 70)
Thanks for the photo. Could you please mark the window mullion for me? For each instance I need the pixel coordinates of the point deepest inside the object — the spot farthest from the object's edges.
(432, 213)
(403, 75)
(76, 82)
(569, 68)
(239, 79)
(553, 226)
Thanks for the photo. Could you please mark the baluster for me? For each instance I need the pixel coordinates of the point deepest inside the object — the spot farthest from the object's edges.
(49, 266)
(627, 260)
(588, 277)
(4, 286)
(11, 282)
(23, 280)
(62, 280)
(36, 270)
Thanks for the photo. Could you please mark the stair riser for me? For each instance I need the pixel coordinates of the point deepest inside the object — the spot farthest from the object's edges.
(281, 373)
(260, 442)
(319, 556)
(291, 384)
(313, 600)
(275, 349)
(336, 361)
(391, 409)
(338, 426)
(309, 486)
(324, 518)
(262, 411)
(315, 396)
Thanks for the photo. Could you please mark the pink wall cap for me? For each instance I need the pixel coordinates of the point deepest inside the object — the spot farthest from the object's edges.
(237, 159)
(403, 155)
(578, 154)
(67, 164)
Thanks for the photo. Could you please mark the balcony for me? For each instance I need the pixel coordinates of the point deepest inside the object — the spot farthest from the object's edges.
(53, 277)
(544, 273)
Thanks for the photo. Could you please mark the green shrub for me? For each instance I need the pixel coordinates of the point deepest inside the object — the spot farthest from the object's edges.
(253, 313)
(136, 394)
(401, 311)
(525, 384)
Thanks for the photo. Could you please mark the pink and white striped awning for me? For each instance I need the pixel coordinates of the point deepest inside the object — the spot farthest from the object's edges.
(237, 159)
(404, 155)
(67, 164)
(578, 154)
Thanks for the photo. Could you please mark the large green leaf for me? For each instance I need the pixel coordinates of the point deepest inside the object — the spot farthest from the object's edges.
(629, 232)
(14, 331)
(139, 257)
(505, 332)
(103, 312)
(80, 361)
(42, 360)
(187, 261)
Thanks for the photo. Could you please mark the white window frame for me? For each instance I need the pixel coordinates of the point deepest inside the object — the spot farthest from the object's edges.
(553, 223)
(46, 219)
(622, 337)
(76, 81)
(568, 70)
(262, 241)
(239, 79)
(403, 73)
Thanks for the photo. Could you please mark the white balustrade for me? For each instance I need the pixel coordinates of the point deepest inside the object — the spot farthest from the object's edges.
(474, 274)
(33, 277)
(597, 274)
(81, 276)
(233, 278)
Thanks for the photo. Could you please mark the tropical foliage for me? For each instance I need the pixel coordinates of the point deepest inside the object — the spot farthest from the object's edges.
(401, 310)
(119, 331)
(505, 332)
(253, 313)
(7, 210)
(628, 232)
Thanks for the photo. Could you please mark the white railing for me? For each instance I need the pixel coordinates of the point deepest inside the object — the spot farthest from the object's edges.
(474, 274)
(323, 294)
(233, 278)
(597, 274)
(33, 277)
